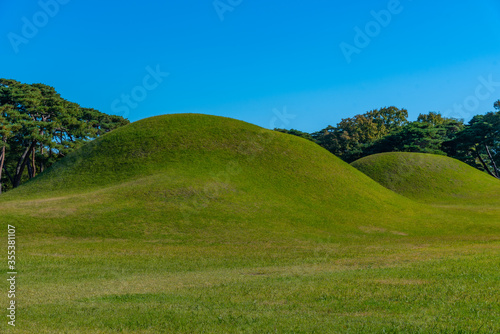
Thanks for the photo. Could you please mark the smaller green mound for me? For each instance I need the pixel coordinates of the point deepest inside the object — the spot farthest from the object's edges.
(430, 178)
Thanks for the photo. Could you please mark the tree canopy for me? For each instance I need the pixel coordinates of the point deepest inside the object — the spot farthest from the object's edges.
(388, 130)
(426, 135)
(296, 133)
(349, 139)
(478, 144)
(38, 127)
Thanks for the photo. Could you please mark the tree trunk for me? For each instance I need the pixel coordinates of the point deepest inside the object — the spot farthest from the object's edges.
(8, 175)
(2, 159)
(21, 165)
(485, 166)
(41, 160)
(492, 162)
(33, 163)
(30, 169)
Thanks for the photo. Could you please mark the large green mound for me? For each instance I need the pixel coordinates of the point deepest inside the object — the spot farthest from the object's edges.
(431, 178)
(187, 173)
(192, 223)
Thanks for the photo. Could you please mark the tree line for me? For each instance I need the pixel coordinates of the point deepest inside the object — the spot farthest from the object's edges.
(38, 127)
(388, 129)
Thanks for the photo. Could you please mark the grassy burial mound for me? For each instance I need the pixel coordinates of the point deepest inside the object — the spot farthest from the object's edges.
(431, 178)
(192, 223)
(176, 174)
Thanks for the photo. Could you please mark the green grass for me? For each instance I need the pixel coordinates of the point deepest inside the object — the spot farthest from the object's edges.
(431, 178)
(193, 223)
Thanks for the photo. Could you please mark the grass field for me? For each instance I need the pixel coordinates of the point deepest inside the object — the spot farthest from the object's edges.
(432, 179)
(202, 224)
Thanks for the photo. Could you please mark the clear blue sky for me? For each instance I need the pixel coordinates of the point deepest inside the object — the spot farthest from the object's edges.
(258, 60)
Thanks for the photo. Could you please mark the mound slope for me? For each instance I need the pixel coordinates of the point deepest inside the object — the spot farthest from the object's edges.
(173, 174)
(430, 178)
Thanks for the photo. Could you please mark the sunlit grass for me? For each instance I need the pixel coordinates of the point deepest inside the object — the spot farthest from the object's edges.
(235, 229)
(411, 285)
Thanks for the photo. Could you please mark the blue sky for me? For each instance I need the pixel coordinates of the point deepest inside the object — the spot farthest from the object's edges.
(272, 63)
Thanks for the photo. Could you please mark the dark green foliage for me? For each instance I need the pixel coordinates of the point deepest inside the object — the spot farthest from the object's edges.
(349, 139)
(297, 133)
(426, 135)
(387, 130)
(478, 144)
(414, 137)
(38, 127)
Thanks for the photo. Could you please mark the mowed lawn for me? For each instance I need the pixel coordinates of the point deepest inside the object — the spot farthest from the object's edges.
(441, 278)
(379, 283)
